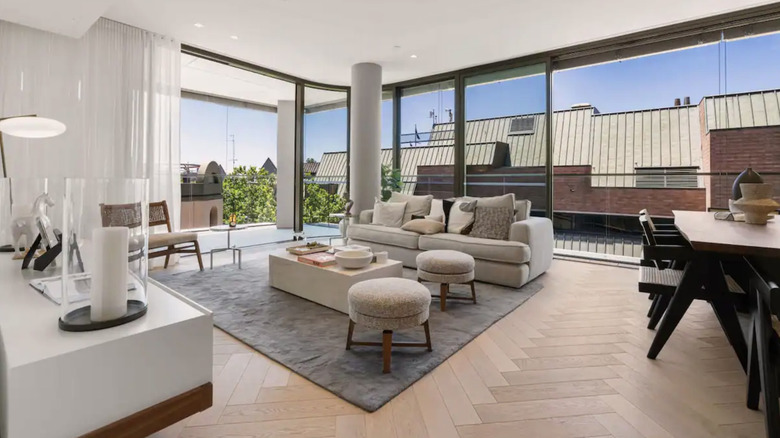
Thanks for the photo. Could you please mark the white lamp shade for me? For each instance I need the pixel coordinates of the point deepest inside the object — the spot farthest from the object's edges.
(32, 127)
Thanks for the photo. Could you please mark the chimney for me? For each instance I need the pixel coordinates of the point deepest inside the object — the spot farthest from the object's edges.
(676, 101)
(687, 100)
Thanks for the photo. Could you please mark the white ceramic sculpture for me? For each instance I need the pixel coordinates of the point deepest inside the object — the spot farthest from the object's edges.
(27, 227)
(756, 203)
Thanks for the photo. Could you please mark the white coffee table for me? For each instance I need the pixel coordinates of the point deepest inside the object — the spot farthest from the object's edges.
(325, 286)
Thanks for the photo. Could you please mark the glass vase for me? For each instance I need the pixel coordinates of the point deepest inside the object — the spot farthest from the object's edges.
(105, 252)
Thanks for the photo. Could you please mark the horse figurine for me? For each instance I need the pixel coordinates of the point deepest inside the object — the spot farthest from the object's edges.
(29, 226)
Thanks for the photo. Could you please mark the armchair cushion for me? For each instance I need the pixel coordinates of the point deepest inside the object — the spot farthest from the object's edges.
(167, 239)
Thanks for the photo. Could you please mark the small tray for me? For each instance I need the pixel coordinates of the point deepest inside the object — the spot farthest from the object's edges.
(304, 250)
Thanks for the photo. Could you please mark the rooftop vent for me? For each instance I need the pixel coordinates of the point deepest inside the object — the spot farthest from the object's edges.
(580, 105)
(676, 101)
(687, 100)
(522, 125)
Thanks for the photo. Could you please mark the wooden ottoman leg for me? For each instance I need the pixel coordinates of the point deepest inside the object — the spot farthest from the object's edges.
(387, 343)
(349, 333)
(473, 292)
(443, 291)
(427, 335)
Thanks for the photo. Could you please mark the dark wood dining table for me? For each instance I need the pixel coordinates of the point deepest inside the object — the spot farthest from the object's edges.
(714, 242)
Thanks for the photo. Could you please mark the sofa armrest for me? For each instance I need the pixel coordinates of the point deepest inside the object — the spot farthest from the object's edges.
(537, 233)
(366, 216)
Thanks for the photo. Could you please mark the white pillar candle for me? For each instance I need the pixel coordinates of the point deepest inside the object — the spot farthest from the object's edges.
(108, 293)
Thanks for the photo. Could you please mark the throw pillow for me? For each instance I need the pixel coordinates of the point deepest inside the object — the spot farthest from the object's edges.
(507, 200)
(423, 226)
(389, 214)
(446, 206)
(437, 208)
(415, 205)
(522, 209)
(492, 223)
(461, 216)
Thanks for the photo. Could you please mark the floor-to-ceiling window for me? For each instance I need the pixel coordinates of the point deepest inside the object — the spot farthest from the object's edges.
(506, 136)
(663, 127)
(228, 145)
(427, 139)
(326, 160)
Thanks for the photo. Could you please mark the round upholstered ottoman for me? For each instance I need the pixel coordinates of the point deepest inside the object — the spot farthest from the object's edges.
(388, 304)
(447, 267)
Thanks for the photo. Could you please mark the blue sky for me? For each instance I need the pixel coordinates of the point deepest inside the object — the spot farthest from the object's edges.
(648, 82)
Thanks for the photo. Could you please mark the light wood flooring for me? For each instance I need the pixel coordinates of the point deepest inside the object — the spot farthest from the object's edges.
(568, 363)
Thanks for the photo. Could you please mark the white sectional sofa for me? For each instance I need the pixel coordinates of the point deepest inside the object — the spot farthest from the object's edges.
(527, 254)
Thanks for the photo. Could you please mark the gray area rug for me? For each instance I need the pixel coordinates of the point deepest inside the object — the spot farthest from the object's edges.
(310, 339)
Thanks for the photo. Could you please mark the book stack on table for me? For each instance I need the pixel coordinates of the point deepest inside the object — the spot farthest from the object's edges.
(321, 259)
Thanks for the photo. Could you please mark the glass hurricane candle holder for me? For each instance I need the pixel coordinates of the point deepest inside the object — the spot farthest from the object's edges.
(105, 252)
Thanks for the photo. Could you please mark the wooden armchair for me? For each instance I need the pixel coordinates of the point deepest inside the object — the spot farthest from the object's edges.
(160, 244)
(167, 244)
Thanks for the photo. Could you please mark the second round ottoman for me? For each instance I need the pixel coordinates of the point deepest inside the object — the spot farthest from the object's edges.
(447, 267)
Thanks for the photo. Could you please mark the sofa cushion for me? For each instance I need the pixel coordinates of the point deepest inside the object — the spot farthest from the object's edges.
(426, 226)
(389, 214)
(384, 235)
(522, 209)
(461, 216)
(507, 200)
(492, 223)
(484, 249)
(415, 205)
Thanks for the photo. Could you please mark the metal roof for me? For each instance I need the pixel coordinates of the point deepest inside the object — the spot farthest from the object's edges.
(614, 144)
(334, 164)
(742, 110)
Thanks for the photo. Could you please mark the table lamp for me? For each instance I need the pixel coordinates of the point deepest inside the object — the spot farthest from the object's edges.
(29, 126)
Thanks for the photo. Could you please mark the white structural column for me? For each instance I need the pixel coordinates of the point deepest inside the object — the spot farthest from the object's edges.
(365, 135)
(285, 164)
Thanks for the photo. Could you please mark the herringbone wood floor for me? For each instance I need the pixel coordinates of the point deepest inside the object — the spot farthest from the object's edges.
(568, 363)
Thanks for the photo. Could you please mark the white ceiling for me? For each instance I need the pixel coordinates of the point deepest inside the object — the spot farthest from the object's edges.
(321, 39)
(217, 79)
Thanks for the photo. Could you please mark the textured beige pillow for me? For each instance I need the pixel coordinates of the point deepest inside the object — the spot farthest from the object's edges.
(424, 226)
(415, 205)
(389, 214)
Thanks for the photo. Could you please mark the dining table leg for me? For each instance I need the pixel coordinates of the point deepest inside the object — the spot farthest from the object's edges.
(688, 289)
(724, 307)
(727, 317)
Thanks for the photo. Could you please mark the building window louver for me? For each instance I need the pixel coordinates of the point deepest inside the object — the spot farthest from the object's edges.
(521, 126)
(667, 177)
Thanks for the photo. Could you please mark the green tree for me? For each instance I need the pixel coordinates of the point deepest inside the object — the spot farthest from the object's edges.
(249, 193)
(318, 204)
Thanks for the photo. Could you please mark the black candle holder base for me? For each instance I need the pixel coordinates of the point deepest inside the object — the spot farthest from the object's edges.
(79, 319)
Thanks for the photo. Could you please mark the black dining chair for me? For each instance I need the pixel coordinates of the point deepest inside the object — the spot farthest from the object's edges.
(658, 228)
(764, 350)
(651, 236)
(660, 269)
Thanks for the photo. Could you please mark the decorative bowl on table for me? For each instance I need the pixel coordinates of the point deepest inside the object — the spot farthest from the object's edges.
(756, 203)
(354, 259)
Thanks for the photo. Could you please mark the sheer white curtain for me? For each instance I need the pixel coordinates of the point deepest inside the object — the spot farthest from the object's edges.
(117, 89)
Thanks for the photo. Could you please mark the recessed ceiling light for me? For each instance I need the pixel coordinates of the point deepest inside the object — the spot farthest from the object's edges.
(198, 25)
(233, 37)
(396, 47)
(413, 56)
